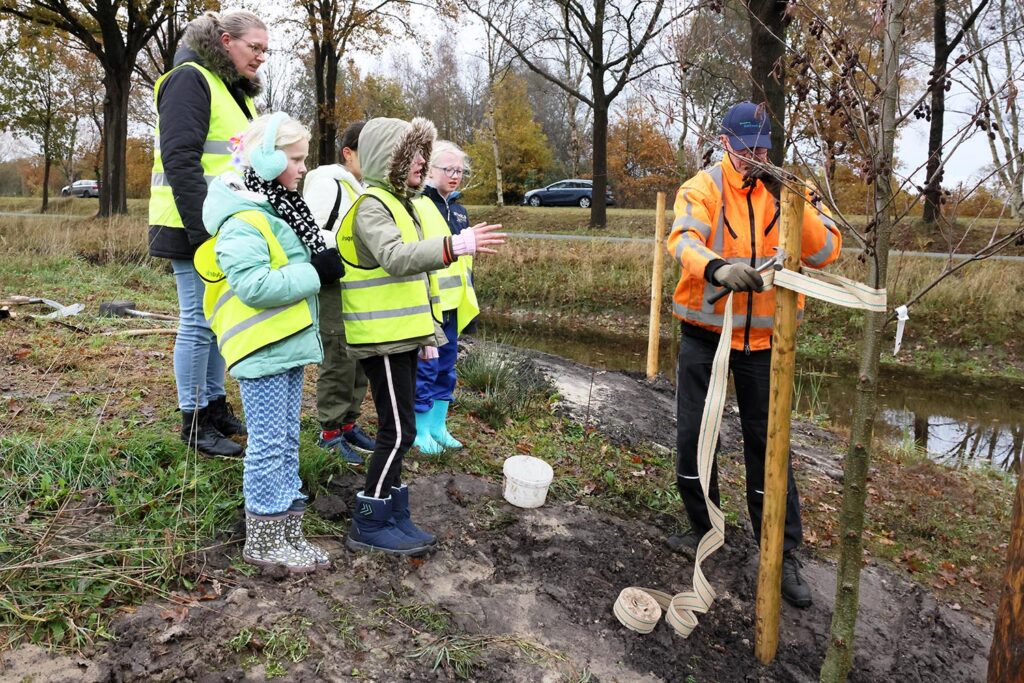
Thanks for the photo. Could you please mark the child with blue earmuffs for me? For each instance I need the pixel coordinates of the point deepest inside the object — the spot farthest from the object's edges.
(263, 270)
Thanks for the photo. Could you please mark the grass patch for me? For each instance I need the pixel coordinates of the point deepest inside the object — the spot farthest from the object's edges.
(273, 647)
(498, 382)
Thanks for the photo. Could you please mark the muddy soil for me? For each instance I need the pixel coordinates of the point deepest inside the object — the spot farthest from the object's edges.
(534, 588)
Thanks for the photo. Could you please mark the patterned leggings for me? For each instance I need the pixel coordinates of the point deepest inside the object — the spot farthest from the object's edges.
(272, 404)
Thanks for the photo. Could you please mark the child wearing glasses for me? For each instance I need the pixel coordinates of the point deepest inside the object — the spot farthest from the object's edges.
(435, 378)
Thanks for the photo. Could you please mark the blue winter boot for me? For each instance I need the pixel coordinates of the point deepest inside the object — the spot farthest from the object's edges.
(402, 518)
(439, 428)
(424, 441)
(373, 529)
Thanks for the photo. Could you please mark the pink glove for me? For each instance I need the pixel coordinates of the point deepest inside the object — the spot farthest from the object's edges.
(428, 353)
(464, 243)
(477, 240)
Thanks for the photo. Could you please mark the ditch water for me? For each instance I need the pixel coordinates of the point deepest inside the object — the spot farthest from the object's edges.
(959, 422)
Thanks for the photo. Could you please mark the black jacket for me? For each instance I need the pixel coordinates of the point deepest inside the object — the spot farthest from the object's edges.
(183, 106)
(453, 212)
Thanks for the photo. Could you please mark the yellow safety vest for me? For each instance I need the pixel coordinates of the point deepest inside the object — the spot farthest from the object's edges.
(243, 330)
(227, 119)
(454, 282)
(378, 307)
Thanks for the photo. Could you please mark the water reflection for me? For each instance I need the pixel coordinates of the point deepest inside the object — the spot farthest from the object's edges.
(957, 422)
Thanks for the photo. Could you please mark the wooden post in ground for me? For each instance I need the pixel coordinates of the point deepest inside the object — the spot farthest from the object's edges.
(1006, 658)
(654, 332)
(780, 406)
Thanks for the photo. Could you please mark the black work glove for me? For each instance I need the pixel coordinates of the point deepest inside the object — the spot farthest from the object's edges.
(768, 176)
(328, 266)
(738, 277)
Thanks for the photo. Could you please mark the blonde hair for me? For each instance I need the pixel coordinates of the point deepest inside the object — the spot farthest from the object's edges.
(442, 147)
(289, 132)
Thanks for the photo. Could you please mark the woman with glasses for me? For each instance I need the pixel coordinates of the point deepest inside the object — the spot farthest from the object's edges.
(202, 103)
(435, 378)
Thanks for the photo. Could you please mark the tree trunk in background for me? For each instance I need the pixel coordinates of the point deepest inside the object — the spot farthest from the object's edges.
(768, 22)
(113, 195)
(499, 186)
(839, 656)
(1006, 658)
(47, 164)
(933, 188)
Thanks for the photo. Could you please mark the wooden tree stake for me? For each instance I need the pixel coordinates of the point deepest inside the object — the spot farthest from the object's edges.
(654, 333)
(780, 406)
(1006, 658)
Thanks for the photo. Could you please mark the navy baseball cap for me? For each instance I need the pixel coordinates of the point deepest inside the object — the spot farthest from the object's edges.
(747, 125)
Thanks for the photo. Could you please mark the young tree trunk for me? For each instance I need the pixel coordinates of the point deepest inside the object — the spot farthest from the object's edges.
(839, 656)
(1006, 658)
(768, 21)
(933, 189)
(113, 195)
(598, 210)
(327, 114)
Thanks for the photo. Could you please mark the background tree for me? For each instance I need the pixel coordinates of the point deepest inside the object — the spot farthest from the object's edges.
(768, 22)
(610, 37)
(940, 83)
(991, 76)
(640, 156)
(333, 27)
(158, 54)
(35, 100)
(114, 31)
(525, 153)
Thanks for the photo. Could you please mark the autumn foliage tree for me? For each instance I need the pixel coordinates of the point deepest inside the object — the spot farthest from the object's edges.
(525, 154)
(641, 160)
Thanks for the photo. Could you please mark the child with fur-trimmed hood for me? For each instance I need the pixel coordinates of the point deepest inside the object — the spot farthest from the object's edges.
(389, 321)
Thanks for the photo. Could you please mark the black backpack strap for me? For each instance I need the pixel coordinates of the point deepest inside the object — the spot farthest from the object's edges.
(334, 211)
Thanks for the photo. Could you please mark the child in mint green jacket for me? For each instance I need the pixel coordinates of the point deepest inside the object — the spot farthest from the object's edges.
(263, 273)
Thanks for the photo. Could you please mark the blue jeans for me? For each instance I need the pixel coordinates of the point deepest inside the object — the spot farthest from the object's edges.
(272, 405)
(435, 378)
(198, 365)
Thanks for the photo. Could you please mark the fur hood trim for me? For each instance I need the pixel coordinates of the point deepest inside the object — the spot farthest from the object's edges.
(203, 38)
(419, 137)
(387, 148)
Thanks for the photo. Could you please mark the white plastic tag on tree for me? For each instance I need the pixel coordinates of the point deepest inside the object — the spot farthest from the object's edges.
(902, 316)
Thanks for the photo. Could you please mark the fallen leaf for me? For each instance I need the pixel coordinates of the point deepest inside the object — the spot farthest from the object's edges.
(175, 614)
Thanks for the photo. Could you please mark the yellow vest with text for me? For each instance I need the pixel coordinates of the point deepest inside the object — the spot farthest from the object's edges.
(241, 329)
(378, 307)
(454, 283)
(226, 120)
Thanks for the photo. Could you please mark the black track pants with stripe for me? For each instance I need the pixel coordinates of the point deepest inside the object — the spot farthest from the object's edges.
(393, 387)
(750, 374)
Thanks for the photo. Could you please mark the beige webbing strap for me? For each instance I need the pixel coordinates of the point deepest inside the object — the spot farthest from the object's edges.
(640, 609)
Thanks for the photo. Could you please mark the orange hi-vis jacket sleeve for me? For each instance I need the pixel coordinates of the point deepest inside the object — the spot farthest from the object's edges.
(717, 218)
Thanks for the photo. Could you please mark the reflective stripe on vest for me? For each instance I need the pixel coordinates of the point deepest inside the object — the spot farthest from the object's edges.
(227, 119)
(243, 330)
(378, 307)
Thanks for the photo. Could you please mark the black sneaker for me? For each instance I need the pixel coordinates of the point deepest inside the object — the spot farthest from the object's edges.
(222, 417)
(684, 544)
(199, 434)
(795, 591)
(359, 440)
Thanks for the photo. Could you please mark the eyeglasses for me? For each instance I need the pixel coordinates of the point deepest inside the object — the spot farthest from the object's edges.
(256, 48)
(752, 152)
(453, 172)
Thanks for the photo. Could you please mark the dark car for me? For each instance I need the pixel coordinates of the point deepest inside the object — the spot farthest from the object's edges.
(571, 192)
(81, 188)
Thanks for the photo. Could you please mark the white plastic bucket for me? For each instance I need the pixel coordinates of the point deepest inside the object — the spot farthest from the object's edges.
(526, 480)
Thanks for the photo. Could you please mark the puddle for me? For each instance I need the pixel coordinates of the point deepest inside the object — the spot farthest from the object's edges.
(958, 422)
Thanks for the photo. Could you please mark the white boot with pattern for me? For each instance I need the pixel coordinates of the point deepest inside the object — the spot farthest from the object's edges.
(266, 545)
(293, 533)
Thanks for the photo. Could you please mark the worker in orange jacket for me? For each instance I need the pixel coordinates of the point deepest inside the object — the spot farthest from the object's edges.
(726, 225)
